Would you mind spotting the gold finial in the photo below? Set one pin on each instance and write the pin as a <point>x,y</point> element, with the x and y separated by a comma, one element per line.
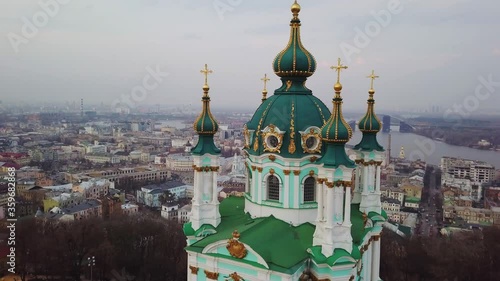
<point>339,67</point>
<point>372,77</point>
<point>295,8</point>
<point>265,79</point>
<point>205,72</point>
<point>264,92</point>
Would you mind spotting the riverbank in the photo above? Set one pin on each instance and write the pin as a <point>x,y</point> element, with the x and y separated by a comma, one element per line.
<point>420,147</point>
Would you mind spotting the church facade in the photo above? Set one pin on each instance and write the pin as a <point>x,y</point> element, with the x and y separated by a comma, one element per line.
<point>310,212</point>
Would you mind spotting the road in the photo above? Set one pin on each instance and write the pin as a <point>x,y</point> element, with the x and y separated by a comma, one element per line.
<point>430,215</point>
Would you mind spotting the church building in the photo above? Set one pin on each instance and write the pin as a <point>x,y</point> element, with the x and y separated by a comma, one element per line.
<point>310,212</point>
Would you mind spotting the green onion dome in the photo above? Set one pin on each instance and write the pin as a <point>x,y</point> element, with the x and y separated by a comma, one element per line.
<point>369,125</point>
<point>294,60</point>
<point>370,122</point>
<point>205,124</point>
<point>336,128</point>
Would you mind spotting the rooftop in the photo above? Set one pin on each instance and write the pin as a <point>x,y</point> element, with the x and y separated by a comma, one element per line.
<point>281,245</point>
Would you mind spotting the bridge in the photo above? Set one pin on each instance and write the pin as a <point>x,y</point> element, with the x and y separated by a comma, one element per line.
<point>404,125</point>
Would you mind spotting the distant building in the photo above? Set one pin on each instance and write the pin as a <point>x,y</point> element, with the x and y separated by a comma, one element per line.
<point>94,188</point>
<point>184,213</point>
<point>169,211</point>
<point>179,162</point>
<point>150,195</point>
<point>129,208</point>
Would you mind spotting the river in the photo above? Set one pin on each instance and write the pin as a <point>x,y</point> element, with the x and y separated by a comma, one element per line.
<point>415,146</point>
<point>431,151</point>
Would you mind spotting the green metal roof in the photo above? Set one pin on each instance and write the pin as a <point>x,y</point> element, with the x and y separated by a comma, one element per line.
<point>335,156</point>
<point>369,143</point>
<point>205,145</point>
<point>281,245</point>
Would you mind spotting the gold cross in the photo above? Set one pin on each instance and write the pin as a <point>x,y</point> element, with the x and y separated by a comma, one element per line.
<point>205,72</point>
<point>338,68</point>
<point>373,77</point>
<point>265,79</point>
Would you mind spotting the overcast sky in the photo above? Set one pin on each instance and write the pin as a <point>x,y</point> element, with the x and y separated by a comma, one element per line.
<point>431,52</point>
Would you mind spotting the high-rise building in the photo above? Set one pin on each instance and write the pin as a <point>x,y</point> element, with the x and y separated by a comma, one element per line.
<point>309,212</point>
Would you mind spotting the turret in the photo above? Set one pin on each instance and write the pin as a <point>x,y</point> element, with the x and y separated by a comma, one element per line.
<point>333,223</point>
<point>205,209</point>
<point>369,155</point>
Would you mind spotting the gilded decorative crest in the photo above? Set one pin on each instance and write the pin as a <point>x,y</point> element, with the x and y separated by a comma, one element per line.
<point>311,140</point>
<point>211,275</point>
<point>291,146</point>
<point>246,135</point>
<point>235,277</point>
<point>272,138</point>
<point>194,269</point>
<point>235,247</point>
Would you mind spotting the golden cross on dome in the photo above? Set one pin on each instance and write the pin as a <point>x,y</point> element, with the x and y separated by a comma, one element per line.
<point>372,77</point>
<point>205,72</point>
<point>265,79</point>
<point>339,67</point>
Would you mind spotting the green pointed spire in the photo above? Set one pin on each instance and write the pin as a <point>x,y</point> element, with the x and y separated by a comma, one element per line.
<point>336,132</point>
<point>370,125</point>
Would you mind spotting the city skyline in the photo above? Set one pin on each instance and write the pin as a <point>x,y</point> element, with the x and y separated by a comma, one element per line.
<point>103,51</point>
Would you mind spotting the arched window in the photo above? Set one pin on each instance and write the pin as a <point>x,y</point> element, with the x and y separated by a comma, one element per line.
<point>273,188</point>
<point>309,187</point>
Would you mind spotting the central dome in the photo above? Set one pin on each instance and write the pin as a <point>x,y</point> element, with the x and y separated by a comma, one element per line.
<point>288,123</point>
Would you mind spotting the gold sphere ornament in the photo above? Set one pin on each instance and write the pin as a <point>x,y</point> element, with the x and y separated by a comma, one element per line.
<point>337,87</point>
<point>295,8</point>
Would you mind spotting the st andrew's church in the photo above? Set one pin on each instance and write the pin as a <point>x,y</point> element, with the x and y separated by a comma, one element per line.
<point>309,211</point>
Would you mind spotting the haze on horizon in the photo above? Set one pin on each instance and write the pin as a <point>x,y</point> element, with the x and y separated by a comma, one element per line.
<point>430,53</point>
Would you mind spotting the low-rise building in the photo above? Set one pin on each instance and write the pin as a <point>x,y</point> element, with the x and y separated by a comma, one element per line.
<point>391,204</point>
<point>412,202</point>
<point>94,188</point>
<point>169,211</point>
<point>129,208</point>
<point>87,209</point>
<point>150,195</point>
<point>184,214</point>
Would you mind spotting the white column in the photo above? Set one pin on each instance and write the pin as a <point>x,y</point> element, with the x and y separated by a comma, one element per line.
<point>329,206</point>
<point>368,263</point>
<point>376,260</point>
<point>356,181</point>
<point>286,195</point>
<point>260,186</point>
<point>338,201</point>
<point>378,179</point>
<point>215,195</point>
<point>365,179</point>
<point>347,207</point>
<point>371,176</point>
<point>197,189</point>
<point>319,199</point>
<point>296,184</point>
